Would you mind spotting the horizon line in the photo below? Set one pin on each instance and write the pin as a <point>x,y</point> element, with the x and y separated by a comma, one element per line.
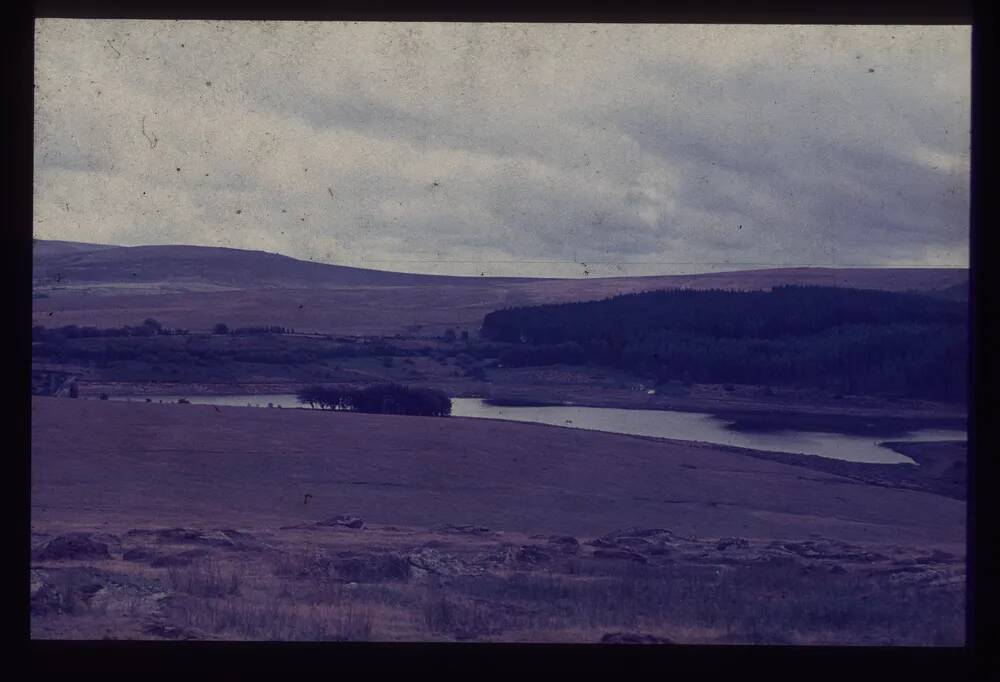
<point>580,263</point>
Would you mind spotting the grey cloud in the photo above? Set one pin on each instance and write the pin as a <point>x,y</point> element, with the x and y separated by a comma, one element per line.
<point>365,143</point>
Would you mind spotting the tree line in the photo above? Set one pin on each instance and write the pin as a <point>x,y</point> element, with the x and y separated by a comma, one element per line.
<point>149,327</point>
<point>850,340</point>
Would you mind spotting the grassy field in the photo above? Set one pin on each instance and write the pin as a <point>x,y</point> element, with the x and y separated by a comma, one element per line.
<point>190,521</point>
<point>195,463</point>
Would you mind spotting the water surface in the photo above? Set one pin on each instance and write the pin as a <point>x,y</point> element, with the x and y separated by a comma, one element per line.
<point>658,423</point>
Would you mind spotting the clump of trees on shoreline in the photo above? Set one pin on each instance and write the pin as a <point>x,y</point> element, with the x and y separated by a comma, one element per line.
<point>379,399</point>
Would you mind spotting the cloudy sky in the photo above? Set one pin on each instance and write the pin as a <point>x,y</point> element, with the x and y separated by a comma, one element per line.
<point>529,149</point>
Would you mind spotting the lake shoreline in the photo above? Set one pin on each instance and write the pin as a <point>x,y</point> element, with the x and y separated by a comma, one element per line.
<point>791,435</point>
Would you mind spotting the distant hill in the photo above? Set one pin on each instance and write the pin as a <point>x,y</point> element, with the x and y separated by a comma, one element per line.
<point>194,287</point>
<point>79,263</point>
<point>50,248</point>
<point>75,263</point>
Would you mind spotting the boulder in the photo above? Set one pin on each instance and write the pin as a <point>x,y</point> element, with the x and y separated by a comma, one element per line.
<point>71,546</point>
<point>566,544</point>
<point>726,543</point>
<point>529,554</point>
<point>829,549</point>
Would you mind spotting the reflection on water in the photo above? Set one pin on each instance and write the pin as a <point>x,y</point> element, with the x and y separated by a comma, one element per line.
<point>658,423</point>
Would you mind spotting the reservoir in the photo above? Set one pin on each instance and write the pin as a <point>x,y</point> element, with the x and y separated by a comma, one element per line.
<point>693,426</point>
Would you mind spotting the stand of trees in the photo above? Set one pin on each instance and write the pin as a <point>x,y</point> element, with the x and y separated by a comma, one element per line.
<point>851,340</point>
<point>379,399</point>
<point>274,329</point>
<point>149,327</point>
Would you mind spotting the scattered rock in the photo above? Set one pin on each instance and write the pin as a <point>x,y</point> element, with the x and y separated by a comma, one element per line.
<point>345,520</point>
<point>565,543</point>
<point>225,538</point>
<point>633,638</point>
<point>936,557</point>
<point>45,598</point>
<point>829,549</point>
<point>71,546</point>
<point>68,590</point>
<point>531,555</point>
<point>440,563</point>
<point>650,541</point>
<point>465,529</point>
<point>726,543</point>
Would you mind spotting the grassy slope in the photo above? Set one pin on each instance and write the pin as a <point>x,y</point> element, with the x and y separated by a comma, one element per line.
<point>127,464</point>
<point>117,286</point>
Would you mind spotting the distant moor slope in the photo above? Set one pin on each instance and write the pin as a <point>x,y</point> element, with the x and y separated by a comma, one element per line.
<point>195,287</point>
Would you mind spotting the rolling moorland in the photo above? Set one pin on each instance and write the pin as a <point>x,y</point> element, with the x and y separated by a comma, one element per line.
<point>197,521</point>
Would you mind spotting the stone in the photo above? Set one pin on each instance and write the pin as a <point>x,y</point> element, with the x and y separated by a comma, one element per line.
<point>726,543</point>
<point>71,546</point>
<point>531,555</point>
<point>441,564</point>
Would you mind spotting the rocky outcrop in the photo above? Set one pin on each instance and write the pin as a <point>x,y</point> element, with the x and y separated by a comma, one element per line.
<point>75,589</point>
<point>566,544</point>
<point>224,538</point>
<point>725,543</point>
<point>466,530</point>
<point>829,549</point>
<point>439,563</point>
<point>71,546</point>
<point>529,554</point>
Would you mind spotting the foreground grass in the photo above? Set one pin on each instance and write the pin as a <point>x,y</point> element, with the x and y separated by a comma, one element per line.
<point>276,600</point>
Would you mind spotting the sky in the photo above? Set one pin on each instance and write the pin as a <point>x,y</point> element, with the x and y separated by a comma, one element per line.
<point>509,149</point>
